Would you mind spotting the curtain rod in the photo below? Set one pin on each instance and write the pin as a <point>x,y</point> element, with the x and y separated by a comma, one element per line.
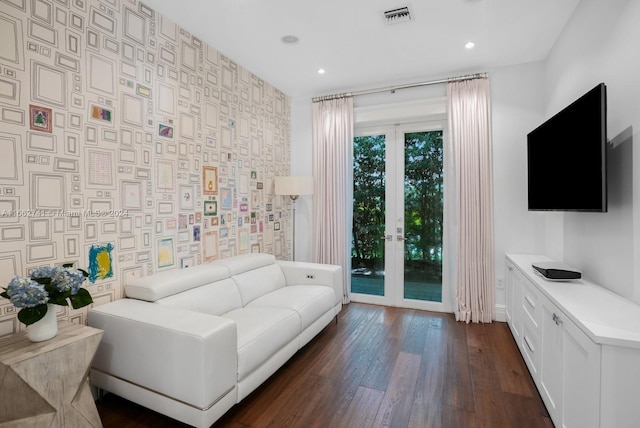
<point>393,89</point>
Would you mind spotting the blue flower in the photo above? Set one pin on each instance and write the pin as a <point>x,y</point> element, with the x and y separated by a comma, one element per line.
<point>43,272</point>
<point>26,293</point>
<point>55,285</point>
<point>68,280</point>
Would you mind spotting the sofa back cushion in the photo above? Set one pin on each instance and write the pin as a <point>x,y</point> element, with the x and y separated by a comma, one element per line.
<point>245,262</point>
<point>255,274</point>
<point>258,282</point>
<point>216,298</point>
<point>170,282</point>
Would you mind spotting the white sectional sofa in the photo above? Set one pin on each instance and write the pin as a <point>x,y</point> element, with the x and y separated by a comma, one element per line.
<point>191,343</point>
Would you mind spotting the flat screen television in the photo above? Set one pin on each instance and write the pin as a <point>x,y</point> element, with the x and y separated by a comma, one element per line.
<point>567,157</point>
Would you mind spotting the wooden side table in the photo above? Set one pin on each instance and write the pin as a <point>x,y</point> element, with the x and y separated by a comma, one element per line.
<point>45,384</point>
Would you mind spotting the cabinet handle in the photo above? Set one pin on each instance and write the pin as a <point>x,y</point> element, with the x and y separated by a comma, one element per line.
<point>556,319</point>
<point>526,340</point>
<point>530,302</point>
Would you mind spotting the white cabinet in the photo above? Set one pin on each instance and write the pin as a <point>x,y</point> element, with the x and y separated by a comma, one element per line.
<point>511,300</point>
<point>581,344</point>
<point>581,375</point>
<point>531,307</point>
<point>569,371</point>
<point>552,362</point>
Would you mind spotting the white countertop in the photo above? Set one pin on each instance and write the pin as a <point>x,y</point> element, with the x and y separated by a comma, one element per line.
<point>607,318</point>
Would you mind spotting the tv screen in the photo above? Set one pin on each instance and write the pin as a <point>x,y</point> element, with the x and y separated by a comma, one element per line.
<point>566,157</point>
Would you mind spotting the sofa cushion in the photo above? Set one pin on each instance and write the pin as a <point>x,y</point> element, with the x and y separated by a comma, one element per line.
<point>261,333</point>
<point>309,301</point>
<point>246,262</point>
<point>258,282</point>
<point>214,299</point>
<point>170,282</point>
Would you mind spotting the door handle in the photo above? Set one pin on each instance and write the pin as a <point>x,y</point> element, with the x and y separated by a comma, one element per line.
<point>401,238</point>
<point>387,238</point>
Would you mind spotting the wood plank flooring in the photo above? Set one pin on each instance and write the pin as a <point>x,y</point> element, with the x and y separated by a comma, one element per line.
<point>383,367</point>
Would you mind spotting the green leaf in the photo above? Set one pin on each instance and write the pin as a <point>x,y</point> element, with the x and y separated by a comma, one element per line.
<point>83,298</point>
<point>28,316</point>
<point>43,281</point>
<point>5,295</point>
<point>58,299</point>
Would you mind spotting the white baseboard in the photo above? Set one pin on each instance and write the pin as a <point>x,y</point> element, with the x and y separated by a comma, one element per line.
<point>500,313</point>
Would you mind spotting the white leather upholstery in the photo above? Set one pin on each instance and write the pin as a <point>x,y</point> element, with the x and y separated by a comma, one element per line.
<point>245,262</point>
<point>309,301</point>
<point>258,282</point>
<point>189,343</point>
<point>214,299</point>
<point>303,273</point>
<point>168,350</point>
<point>201,418</point>
<point>261,333</point>
<point>169,282</point>
<point>254,379</point>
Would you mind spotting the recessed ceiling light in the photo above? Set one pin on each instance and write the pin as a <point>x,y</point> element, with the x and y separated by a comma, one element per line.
<point>321,71</point>
<point>469,45</point>
<point>289,39</point>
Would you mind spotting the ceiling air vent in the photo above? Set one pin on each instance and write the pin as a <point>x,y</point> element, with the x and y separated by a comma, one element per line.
<point>396,16</point>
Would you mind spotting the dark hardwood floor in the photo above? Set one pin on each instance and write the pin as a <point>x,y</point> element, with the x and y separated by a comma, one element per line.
<point>384,367</point>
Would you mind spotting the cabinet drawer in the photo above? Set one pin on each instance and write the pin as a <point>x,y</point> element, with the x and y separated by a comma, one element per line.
<point>532,306</point>
<point>531,350</point>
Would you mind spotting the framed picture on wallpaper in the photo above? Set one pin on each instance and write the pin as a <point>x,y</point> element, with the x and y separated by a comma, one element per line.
<point>210,208</point>
<point>165,252</point>
<point>40,118</point>
<point>209,180</point>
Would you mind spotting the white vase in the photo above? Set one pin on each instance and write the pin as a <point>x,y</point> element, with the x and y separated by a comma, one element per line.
<point>46,328</point>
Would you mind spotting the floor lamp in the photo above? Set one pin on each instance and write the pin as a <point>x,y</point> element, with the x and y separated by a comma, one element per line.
<point>293,186</point>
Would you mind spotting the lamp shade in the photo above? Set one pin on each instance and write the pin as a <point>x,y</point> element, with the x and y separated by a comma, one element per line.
<point>293,185</point>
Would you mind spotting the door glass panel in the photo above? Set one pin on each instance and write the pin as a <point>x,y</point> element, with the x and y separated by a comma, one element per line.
<point>423,215</point>
<point>368,247</point>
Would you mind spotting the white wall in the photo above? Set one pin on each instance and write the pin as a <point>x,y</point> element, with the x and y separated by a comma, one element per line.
<point>301,164</point>
<point>599,44</point>
<point>517,99</point>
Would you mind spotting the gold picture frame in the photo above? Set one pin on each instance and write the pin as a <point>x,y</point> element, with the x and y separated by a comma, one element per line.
<point>209,180</point>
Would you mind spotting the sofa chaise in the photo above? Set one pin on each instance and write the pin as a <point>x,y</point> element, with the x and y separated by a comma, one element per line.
<point>191,343</point>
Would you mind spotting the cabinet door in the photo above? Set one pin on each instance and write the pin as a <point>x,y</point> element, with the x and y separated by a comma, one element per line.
<point>581,398</point>
<point>552,361</point>
<point>569,371</point>
<point>508,293</point>
<point>513,295</point>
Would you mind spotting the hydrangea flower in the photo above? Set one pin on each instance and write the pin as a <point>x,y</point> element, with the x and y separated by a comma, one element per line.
<point>67,279</point>
<point>46,284</point>
<point>26,293</point>
<point>43,272</point>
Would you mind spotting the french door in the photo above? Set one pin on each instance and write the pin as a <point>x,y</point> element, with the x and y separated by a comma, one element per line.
<point>397,243</point>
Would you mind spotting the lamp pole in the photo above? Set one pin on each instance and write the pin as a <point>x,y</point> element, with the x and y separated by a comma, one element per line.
<point>293,186</point>
<point>294,198</point>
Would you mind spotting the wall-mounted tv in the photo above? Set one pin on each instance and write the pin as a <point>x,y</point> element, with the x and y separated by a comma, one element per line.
<point>567,157</point>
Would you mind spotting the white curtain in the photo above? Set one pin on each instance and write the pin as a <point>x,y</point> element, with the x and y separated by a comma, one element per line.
<point>333,192</point>
<point>468,104</point>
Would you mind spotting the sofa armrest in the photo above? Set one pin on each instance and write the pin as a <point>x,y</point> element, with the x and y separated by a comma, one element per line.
<point>304,273</point>
<point>185,355</point>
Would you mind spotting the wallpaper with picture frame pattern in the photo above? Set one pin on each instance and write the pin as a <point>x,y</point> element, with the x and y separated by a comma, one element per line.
<point>129,146</point>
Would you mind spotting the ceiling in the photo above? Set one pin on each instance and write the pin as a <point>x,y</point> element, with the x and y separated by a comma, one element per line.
<point>358,49</point>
